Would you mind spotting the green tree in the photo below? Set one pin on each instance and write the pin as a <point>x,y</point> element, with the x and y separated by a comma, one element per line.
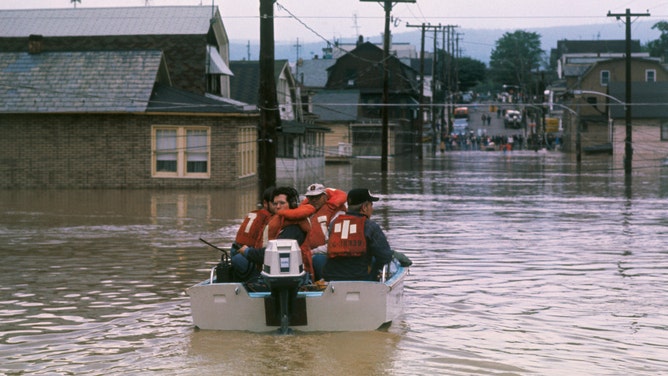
<point>470,73</point>
<point>515,56</point>
<point>659,47</point>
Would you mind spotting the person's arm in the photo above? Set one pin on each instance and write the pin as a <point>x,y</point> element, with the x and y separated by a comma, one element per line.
<point>255,255</point>
<point>377,244</point>
<point>293,232</point>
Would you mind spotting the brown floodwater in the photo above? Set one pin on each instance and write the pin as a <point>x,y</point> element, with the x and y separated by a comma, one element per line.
<point>524,264</point>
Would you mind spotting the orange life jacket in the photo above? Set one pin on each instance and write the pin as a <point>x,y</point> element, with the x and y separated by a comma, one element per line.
<point>347,237</point>
<point>299,216</point>
<point>319,234</point>
<point>250,231</point>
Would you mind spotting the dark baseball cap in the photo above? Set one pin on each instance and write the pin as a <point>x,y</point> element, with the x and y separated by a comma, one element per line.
<point>360,195</point>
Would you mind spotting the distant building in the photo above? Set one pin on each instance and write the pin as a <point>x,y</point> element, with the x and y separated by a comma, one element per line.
<point>299,144</point>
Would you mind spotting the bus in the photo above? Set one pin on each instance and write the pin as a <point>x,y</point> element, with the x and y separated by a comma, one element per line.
<point>461,113</point>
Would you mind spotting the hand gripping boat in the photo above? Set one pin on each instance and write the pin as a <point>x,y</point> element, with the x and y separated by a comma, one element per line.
<point>340,306</point>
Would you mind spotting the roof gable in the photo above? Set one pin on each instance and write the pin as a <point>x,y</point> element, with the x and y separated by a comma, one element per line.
<point>176,20</point>
<point>58,82</point>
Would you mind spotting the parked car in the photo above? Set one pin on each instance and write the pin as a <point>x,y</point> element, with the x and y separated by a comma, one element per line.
<point>512,118</point>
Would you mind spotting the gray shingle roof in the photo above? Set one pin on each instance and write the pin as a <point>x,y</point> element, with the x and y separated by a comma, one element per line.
<point>336,105</point>
<point>57,82</point>
<point>180,20</point>
<point>313,73</point>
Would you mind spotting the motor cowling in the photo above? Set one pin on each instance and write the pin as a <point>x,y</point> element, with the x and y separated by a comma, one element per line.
<point>283,272</point>
<point>283,263</point>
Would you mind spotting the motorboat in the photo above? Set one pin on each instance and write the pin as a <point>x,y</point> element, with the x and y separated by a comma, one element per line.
<point>290,305</point>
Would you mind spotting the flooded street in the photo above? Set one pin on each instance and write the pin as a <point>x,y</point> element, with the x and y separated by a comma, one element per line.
<point>524,264</point>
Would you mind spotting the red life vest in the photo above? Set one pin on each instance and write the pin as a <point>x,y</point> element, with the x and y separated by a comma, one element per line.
<point>250,231</point>
<point>347,237</point>
<point>299,216</point>
<point>319,234</point>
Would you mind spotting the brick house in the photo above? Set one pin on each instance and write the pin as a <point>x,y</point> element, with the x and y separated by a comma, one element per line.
<point>158,117</point>
<point>65,125</point>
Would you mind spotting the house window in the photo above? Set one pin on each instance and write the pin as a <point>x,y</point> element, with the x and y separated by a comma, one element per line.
<point>213,84</point>
<point>605,77</point>
<point>181,152</point>
<point>650,75</point>
<point>664,131</point>
<point>247,151</point>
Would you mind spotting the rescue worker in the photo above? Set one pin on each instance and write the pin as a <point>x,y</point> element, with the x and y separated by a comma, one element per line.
<point>251,229</point>
<point>357,247</point>
<point>328,203</point>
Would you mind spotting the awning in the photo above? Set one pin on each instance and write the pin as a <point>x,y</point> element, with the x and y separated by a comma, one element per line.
<point>215,63</point>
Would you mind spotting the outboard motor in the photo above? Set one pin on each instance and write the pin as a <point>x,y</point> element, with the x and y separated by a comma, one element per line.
<point>284,273</point>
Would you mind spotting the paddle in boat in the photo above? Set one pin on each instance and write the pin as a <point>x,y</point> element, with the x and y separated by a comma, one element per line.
<point>289,304</point>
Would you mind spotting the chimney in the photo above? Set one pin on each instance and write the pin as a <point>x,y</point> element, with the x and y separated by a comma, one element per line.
<point>35,44</point>
<point>360,40</point>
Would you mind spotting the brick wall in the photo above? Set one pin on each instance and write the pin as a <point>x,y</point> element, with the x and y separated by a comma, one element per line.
<point>107,151</point>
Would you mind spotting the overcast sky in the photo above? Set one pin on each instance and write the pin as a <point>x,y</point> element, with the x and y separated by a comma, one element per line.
<point>314,20</point>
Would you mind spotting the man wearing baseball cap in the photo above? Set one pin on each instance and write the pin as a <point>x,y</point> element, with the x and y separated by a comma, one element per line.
<point>357,246</point>
<point>328,202</point>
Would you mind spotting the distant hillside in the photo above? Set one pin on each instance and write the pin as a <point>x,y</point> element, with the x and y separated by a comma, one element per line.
<point>474,43</point>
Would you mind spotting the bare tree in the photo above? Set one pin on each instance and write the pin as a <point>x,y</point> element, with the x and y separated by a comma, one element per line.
<point>75,2</point>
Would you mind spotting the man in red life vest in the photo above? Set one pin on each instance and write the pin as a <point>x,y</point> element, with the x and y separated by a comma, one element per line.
<point>357,246</point>
<point>251,229</point>
<point>328,203</point>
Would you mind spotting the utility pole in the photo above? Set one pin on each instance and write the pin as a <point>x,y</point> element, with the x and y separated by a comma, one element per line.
<point>628,146</point>
<point>434,76</point>
<point>297,62</point>
<point>449,71</point>
<point>387,7</point>
<point>420,124</point>
<point>269,116</point>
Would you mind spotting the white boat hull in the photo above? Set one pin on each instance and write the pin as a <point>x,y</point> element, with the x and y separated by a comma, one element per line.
<point>342,306</point>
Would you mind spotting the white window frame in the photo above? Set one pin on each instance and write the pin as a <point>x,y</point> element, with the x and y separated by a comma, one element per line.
<point>605,81</point>
<point>247,151</point>
<point>180,151</point>
<point>648,73</point>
